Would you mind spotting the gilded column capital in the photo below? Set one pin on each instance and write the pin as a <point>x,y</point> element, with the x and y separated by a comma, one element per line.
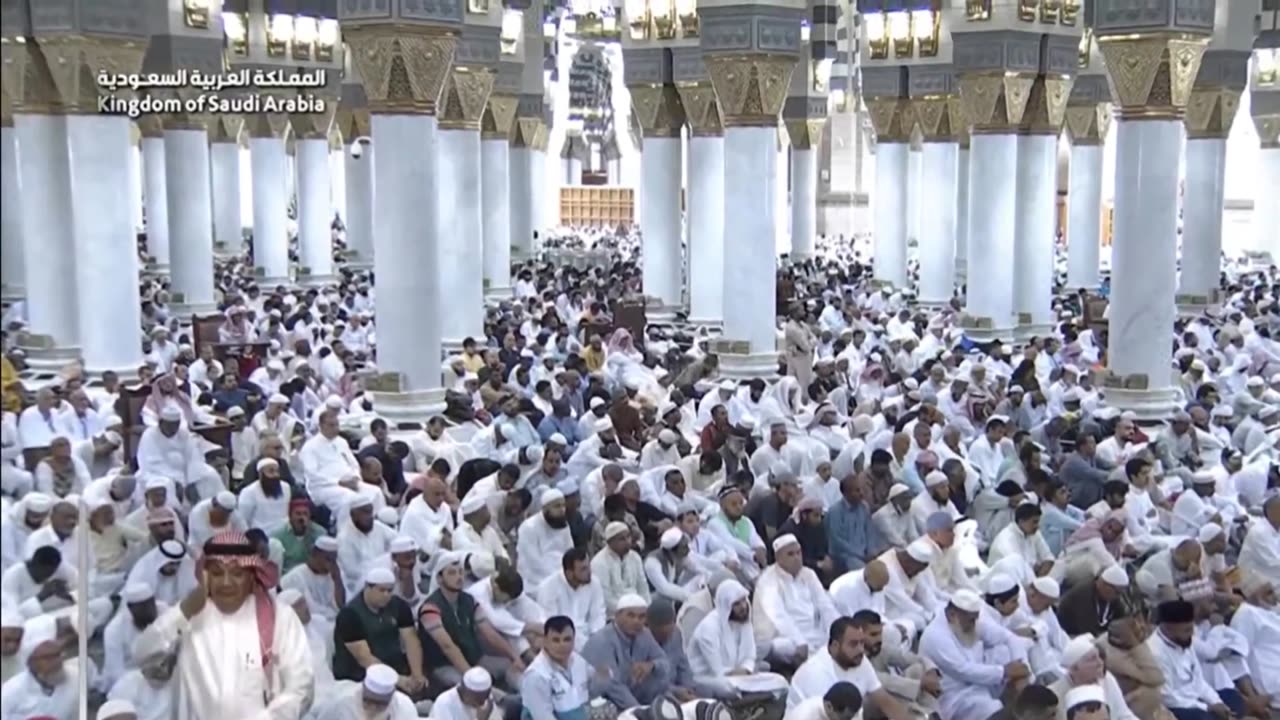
<point>530,132</point>
<point>1047,105</point>
<point>226,128</point>
<point>995,102</point>
<point>266,125</point>
<point>151,126</point>
<point>701,109</point>
<point>466,92</point>
<point>1151,76</point>
<point>352,122</point>
<point>403,67</point>
<point>805,134</point>
<point>892,118</point>
<point>182,97</point>
<point>335,139</point>
<point>1268,127</point>
<point>315,125</point>
<point>13,71</point>
<point>1088,123</point>
<point>751,88</point>
<point>1210,112</point>
<point>75,61</point>
<point>940,117</point>
<point>658,109</point>
<point>499,118</point>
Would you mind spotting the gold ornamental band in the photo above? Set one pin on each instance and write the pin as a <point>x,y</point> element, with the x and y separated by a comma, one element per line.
<point>1151,74</point>
<point>402,67</point>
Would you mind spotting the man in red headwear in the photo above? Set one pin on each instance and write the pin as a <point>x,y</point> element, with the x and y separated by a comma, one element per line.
<point>239,656</point>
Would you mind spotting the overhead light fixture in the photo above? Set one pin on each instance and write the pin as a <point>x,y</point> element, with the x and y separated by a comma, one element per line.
<point>328,35</point>
<point>1267,65</point>
<point>877,35</point>
<point>509,37</point>
<point>926,26</point>
<point>609,23</point>
<point>279,35</point>
<point>1027,10</point>
<point>569,24</point>
<point>305,31</point>
<point>822,74</point>
<point>1086,48</point>
<point>838,100</point>
<point>478,7</point>
<point>805,31</point>
<point>637,18</point>
<point>977,10</point>
<point>236,31</point>
<point>1050,10</point>
<point>900,30</point>
<point>196,14</point>
<point>1070,12</point>
<point>687,11</point>
<point>664,18</point>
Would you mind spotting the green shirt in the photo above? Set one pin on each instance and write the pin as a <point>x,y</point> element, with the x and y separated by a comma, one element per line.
<point>296,548</point>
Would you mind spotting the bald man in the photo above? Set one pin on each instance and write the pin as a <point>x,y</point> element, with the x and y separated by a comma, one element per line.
<point>1173,571</point>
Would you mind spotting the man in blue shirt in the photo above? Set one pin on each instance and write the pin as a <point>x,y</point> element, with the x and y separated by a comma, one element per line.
<point>851,536</point>
<point>560,422</point>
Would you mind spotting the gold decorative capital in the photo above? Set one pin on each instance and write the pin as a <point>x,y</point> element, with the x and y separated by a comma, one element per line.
<point>352,123</point>
<point>806,133</point>
<point>892,119</point>
<point>183,121</point>
<point>1087,124</point>
<point>466,91</point>
<point>73,62</point>
<point>658,109</point>
<point>226,128</point>
<point>1151,76</point>
<point>1268,131</point>
<point>1210,112</point>
<point>1047,105</point>
<point>14,58</point>
<point>151,126</point>
<point>751,88</point>
<point>529,132</point>
<point>266,125</point>
<point>995,103</point>
<point>499,118</point>
<point>701,109</point>
<point>940,117</point>
<point>403,67</point>
<point>314,126</point>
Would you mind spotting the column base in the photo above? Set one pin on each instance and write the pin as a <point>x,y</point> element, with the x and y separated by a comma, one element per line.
<point>497,294</point>
<point>222,250</point>
<point>127,375</point>
<point>156,269</point>
<point>44,357</point>
<point>190,309</point>
<point>713,325</point>
<point>267,282</point>
<point>661,314</point>
<point>1027,330</point>
<point>1153,405</point>
<point>1191,305</point>
<point>453,346</point>
<point>408,411</point>
<point>984,329</point>
<point>315,281</point>
<point>12,294</point>
<point>737,362</point>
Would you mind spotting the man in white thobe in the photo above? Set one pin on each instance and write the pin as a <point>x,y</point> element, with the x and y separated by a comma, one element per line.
<point>543,539</point>
<point>428,519</point>
<point>792,609</point>
<point>319,582</point>
<point>139,609</point>
<point>47,686</point>
<point>329,468</point>
<point>1260,553</point>
<point>1258,621</point>
<point>574,593</point>
<point>169,449</point>
<point>361,540</point>
<point>377,693</point>
<point>468,701</point>
<point>960,643</point>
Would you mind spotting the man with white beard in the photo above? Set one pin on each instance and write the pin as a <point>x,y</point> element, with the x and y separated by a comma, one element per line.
<point>959,642</point>
<point>149,687</point>
<point>1258,621</point>
<point>319,582</point>
<point>47,686</point>
<point>543,539</point>
<point>361,540</point>
<point>470,700</point>
<point>376,698</point>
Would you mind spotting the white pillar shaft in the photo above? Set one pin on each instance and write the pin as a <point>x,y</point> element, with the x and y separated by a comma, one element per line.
<point>157,199</point>
<point>750,276</point>
<point>781,199</point>
<point>890,238</point>
<point>461,266</point>
<point>1036,232</point>
<point>660,220</point>
<point>523,200</point>
<point>962,215</point>
<point>1143,260</point>
<point>938,168</point>
<point>48,241</point>
<point>496,210</point>
<point>575,172</point>
<point>338,184</point>
<point>1267,219</point>
<point>186,154</point>
<point>228,231</point>
<point>270,209</point>
<point>706,229</point>
<point>315,210</point>
<point>915,167</point>
<point>405,249</point>
<point>106,246</point>
<point>135,187</point>
<point>1202,216</point>
<point>359,219</point>
<point>11,251</point>
<point>1084,217</point>
<point>804,201</point>
<point>540,196</point>
<point>993,171</point>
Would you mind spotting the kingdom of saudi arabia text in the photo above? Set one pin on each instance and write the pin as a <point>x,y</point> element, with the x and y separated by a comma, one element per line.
<point>210,104</point>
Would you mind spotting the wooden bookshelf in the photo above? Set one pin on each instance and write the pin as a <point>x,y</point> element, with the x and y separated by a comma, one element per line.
<point>599,206</point>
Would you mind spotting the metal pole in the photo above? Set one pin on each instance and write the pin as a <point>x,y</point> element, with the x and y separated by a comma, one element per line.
<point>83,566</point>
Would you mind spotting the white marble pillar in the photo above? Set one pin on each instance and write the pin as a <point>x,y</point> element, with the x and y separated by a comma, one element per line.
<point>1205,182</point>
<point>1267,218</point>
<point>405,251</point>
<point>939,159</point>
<point>11,251</point>
<point>1036,233</point>
<point>804,199</point>
<point>750,266</point>
<point>523,200</point>
<point>337,182</point>
<point>106,246</point>
<point>915,177</point>
<point>49,251</point>
<point>782,197</point>
<point>156,195</point>
<point>993,168</point>
<point>460,235</point>
<point>228,229</point>
<point>889,202</point>
<point>962,212</point>
<point>495,204</point>
<point>315,212</point>
<point>1084,215</point>
<point>575,172</point>
<point>135,186</point>
<point>270,210</point>
<point>358,159</point>
<point>660,225</point>
<point>706,229</point>
<point>187,177</point>
<point>542,195</point>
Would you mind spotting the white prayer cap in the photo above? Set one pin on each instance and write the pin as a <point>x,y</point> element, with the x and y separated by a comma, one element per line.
<point>326,543</point>
<point>171,414</point>
<point>671,538</point>
<point>1115,575</point>
<point>1275,378</point>
<point>1015,389</point>
<point>632,383</point>
<point>606,423</point>
<point>1077,648</point>
<point>477,680</point>
<point>1073,394</point>
<point>728,385</point>
<point>967,600</point>
<point>1203,478</point>
<point>278,399</point>
<point>225,500</point>
<point>595,402</point>
<point>333,402</point>
<point>934,478</point>
<point>614,529</point>
<point>115,709</point>
<point>276,365</point>
<point>558,439</point>
<point>1199,365</point>
<point>667,408</point>
<point>863,424</point>
<point>1085,694</point>
<point>380,575</point>
<point>1047,586</point>
<point>999,584</point>
<point>784,541</point>
<point>568,486</point>
<point>921,550</point>
<point>403,544</point>
<point>265,463</point>
<point>235,412</point>
<point>471,503</point>
<point>388,516</point>
<point>899,489</point>
<point>359,501</point>
<point>136,592</point>
<point>158,329</point>
<point>668,436</point>
<point>631,601</point>
<point>380,680</point>
<point>1209,532</point>
<point>153,482</point>
<point>1255,382</point>
<point>1002,419</point>
<point>551,495</point>
<point>38,502</point>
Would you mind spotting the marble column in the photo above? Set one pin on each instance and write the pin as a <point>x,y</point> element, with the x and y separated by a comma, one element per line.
<point>892,119</point>
<point>358,161</point>
<point>11,250</point>
<point>661,117</point>
<point>106,245</point>
<point>706,204</point>
<point>1036,214</point>
<point>962,210</point>
<point>224,157</point>
<point>938,116</point>
<point>270,167</point>
<point>806,136</point>
<point>187,177</point>
<point>1149,137</point>
<point>315,208</point>
<point>1267,210</point>
<point>495,191</point>
<point>461,230</point>
<point>155,193</point>
<point>407,189</point>
<point>525,180</point>
<point>135,178</point>
<point>1208,123</point>
<point>337,175</point>
<point>1087,125</point>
